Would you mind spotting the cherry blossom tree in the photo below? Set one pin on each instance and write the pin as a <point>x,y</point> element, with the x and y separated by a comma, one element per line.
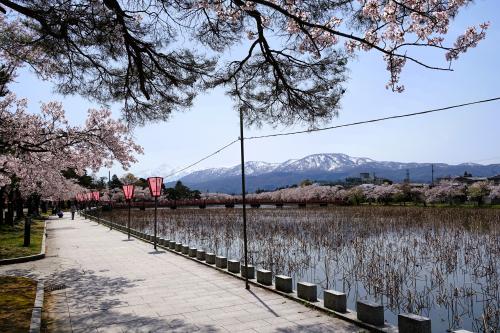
<point>134,52</point>
<point>478,192</point>
<point>36,149</point>
<point>445,192</point>
<point>384,193</point>
<point>494,192</point>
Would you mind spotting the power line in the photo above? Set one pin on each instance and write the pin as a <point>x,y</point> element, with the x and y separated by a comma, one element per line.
<point>333,127</point>
<point>204,158</point>
<point>374,120</point>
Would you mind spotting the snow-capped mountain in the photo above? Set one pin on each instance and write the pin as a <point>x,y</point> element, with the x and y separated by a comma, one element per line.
<point>323,162</point>
<point>322,167</point>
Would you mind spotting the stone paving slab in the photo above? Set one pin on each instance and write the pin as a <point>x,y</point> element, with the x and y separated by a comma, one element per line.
<point>114,285</point>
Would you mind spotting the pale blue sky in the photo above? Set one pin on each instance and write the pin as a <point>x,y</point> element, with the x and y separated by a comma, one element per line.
<point>464,135</point>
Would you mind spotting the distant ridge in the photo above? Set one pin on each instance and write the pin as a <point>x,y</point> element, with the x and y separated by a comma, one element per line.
<point>322,167</point>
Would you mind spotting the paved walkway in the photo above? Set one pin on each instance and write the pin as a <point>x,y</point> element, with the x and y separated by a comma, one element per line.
<point>110,284</point>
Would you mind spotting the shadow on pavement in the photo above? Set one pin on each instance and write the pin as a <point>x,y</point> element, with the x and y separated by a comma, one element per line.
<point>93,303</point>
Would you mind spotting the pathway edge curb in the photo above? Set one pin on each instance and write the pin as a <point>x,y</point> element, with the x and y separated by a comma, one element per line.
<point>41,255</point>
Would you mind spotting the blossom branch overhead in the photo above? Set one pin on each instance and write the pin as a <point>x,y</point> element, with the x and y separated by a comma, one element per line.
<point>294,69</point>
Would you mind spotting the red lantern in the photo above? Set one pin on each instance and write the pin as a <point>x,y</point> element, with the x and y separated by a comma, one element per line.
<point>155,186</point>
<point>95,196</point>
<point>128,191</point>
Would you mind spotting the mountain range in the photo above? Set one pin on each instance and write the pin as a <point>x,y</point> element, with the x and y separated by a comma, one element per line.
<point>329,167</point>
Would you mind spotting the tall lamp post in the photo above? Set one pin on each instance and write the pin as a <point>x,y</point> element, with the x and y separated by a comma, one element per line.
<point>128,191</point>
<point>243,197</point>
<point>155,189</point>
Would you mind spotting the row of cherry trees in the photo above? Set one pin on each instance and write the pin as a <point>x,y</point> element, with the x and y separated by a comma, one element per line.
<point>445,192</point>
<point>38,149</point>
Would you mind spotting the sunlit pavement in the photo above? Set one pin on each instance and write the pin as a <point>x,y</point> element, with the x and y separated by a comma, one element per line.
<point>108,284</point>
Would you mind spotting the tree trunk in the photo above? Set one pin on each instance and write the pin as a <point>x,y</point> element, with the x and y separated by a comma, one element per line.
<point>19,206</point>
<point>44,207</point>
<point>2,205</point>
<point>9,217</point>
<point>29,203</point>
<point>36,205</point>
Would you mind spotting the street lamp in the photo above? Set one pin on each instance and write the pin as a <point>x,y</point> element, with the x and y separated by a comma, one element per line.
<point>155,189</point>
<point>128,191</point>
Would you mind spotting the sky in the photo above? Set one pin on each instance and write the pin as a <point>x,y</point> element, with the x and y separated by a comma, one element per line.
<point>470,134</point>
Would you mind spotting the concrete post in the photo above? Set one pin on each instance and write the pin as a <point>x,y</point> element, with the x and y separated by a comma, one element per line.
<point>335,300</point>
<point>221,262</point>
<point>200,254</point>
<point>178,247</point>
<point>171,245</point>
<point>283,283</point>
<point>27,230</point>
<point>210,258</point>
<point>370,312</point>
<point>185,249</point>
<point>248,271</point>
<point>233,266</point>
<point>412,323</point>
<point>192,252</point>
<point>307,291</point>
<point>264,277</point>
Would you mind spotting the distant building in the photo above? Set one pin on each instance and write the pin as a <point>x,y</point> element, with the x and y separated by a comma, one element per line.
<point>466,179</point>
<point>364,175</point>
<point>495,179</point>
<point>365,178</point>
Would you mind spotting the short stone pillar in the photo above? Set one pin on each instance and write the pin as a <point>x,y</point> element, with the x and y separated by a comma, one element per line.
<point>307,291</point>
<point>178,247</point>
<point>192,252</point>
<point>221,262</point>
<point>412,323</point>
<point>161,241</point>
<point>171,245</point>
<point>210,258</point>
<point>185,249</point>
<point>233,266</point>
<point>335,300</point>
<point>370,312</point>
<point>283,283</point>
<point>248,271</point>
<point>200,254</point>
<point>264,277</point>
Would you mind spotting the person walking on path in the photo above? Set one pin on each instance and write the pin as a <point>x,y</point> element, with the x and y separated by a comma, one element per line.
<point>73,211</point>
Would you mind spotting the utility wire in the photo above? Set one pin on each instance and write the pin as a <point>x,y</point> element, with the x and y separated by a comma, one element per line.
<point>374,120</point>
<point>333,127</point>
<point>204,158</point>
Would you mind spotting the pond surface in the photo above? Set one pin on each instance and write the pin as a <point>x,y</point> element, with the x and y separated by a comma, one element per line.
<point>442,263</point>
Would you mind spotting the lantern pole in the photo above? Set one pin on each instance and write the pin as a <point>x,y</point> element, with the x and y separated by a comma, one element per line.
<point>128,223</point>
<point>98,201</point>
<point>243,190</point>
<point>156,206</point>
